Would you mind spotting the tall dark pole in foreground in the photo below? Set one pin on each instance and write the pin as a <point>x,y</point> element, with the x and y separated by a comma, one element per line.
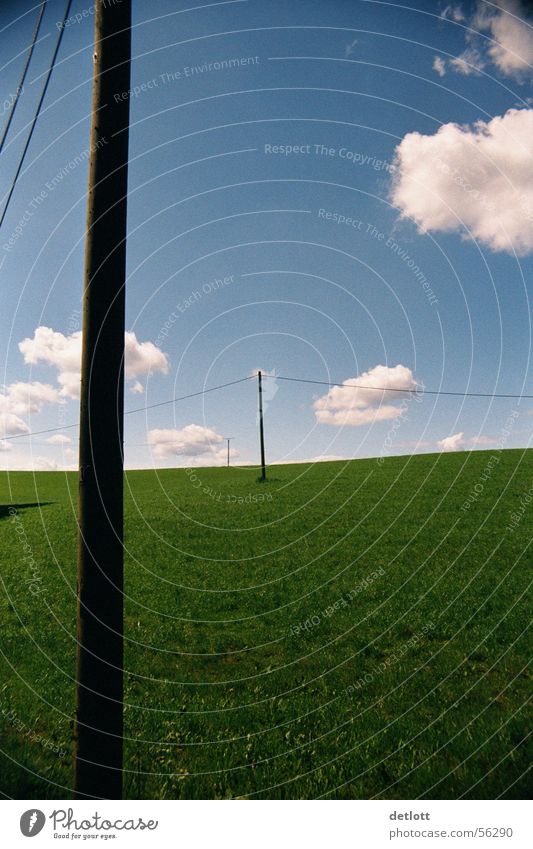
<point>261,430</point>
<point>99,671</point>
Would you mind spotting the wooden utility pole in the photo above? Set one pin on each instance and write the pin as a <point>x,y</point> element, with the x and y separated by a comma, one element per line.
<point>100,619</point>
<point>261,429</point>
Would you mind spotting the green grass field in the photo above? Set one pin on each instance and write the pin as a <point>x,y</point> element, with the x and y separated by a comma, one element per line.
<point>348,630</point>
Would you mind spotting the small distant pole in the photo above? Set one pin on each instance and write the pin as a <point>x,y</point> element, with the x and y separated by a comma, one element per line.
<point>261,429</point>
<point>228,440</point>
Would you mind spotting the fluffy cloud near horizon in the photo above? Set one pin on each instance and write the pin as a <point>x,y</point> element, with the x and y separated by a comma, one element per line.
<point>21,399</point>
<point>198,445</point>
<point>32,463</point>
<point>500,33</point>
<point>59,439</point>
<point>319,458</point>
<point>479,178</point>
<point>456,442</point>
<point>64,353</point>
<point>365,404</point>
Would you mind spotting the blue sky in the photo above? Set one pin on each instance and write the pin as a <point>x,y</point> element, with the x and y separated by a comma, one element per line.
<point>355,192</point>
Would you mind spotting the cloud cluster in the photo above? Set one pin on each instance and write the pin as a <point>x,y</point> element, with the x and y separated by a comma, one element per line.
<point>195,444</point>
<point>500,33</point>
<point>64,353</point>
<point>28,462</point>
<point>21,399</point>
<point>365,404</point>
<point>511,34</point>
<point>479,178</point>
<point>470,61</point>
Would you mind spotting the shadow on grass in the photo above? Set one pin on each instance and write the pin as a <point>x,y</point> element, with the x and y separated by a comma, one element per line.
<point>5,508</point>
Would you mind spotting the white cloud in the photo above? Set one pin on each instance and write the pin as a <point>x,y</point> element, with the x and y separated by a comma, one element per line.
<point>478,177</point>
<point>350,48</point>
<point>64,353</point>
<point>11,425</point>
<point>28,463</point>
<point>439,66</point>
<point>59,439</point>
<point>470,61</point>
<point>42,464</point>
<point>453,13</point>
<point>360,406</point>
<point>195,444</point>
<point>24,398</point>
<point>511,47</point>
<point>5,446</point>
<point>456,442</point>
<point>21,399</point>
<point>143,357</point>
<point>499,32</point>
<point>137,388</point>
<point>322,458</point>
<point>319,458</point>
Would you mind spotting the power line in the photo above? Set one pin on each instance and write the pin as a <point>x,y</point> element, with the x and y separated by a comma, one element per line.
<point>417,391</point>
<point>137,410</point>
<point>37,112</point>
<point>38,432</point>
<point>176,400</point>
<point>192,395</point>
<point>23,77</point>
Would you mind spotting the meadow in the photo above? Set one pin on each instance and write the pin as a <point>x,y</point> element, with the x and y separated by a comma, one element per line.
<point>344,630</point>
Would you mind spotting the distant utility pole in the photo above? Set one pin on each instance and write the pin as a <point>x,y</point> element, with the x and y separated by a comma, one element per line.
<point>261,430</point>
<point>228,440</point>
<point>100,616</point>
